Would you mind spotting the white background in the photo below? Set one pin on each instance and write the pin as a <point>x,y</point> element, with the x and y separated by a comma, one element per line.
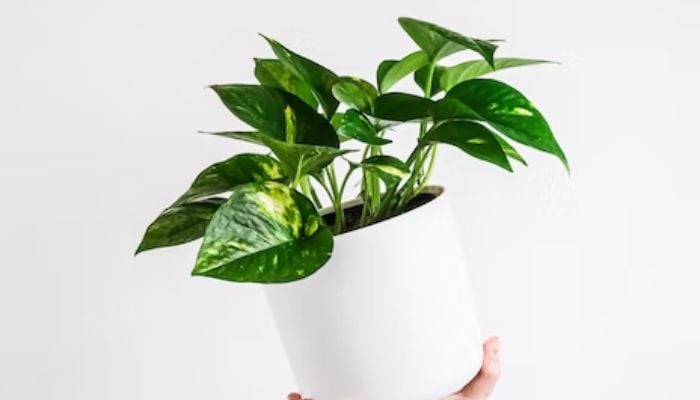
<point>590,280</point>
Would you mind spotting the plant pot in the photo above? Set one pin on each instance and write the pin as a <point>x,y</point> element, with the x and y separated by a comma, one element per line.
<point>389,317</point>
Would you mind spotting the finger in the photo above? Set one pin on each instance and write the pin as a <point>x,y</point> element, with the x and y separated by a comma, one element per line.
<point>483,384</point>
<point>295,396</point>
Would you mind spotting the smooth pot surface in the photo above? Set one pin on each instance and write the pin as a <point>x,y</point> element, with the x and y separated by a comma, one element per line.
<point>389,317</point>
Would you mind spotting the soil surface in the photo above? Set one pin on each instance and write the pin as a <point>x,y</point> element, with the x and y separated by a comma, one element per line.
<point>353,214</point>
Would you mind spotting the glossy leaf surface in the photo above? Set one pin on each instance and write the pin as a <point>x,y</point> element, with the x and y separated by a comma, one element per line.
<point>318,77</point>
<point>355,125</point>
<point>472,138</point>
<point>387,168</point>
<point>246,136</point>
<point>402,107</point>
<point>302,159</point>
<point>390,72</point>
<point>476,68</point>
<point>509,112</point>
<point>510,151</point>
<point>421,79</point>
<point>355,92</point>
<point>267,233</point>
<point>450,108</point>
<point>277,114</point>
<point>275,74</point>
<point>179,224</point>
<point>438,42</point>
<point>237,170</point>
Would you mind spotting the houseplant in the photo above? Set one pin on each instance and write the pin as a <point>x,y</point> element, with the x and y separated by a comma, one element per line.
<point>363,326</point>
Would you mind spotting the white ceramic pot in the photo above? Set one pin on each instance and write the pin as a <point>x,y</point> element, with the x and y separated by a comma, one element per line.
<point>389,317</point>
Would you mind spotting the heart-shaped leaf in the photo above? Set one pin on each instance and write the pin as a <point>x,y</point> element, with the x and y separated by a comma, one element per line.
<point>355,125</point>
<point>302,159</point>
<point>277,114</point>
<point>509,112</point>
<point>355,92</point>
<point>266,233</point>
<point>391,71</point>
<point>438,42</point>
<point>421,79</point>
<point>237,170</point>
<point>473,138</point>
<point>274,74</point>
<point>389,169</point>
<point>179,224</point>
<point>318,77</point>
<point>402,107</point>
<point>476,68</point>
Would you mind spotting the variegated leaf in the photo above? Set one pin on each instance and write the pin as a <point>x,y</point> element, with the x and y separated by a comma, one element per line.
<point>266,233</point>
<point>179,224</point>
<point>237,170</point>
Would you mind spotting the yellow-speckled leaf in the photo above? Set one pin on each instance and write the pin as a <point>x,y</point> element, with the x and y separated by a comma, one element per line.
<point>471,137</point>
<point>179,224</point>
<point>274,73</point>
<point>237,170</point>
<point>303,159</point>
<point>266,233</point>
<point>276,113</point>
<point>317,77</point>
<point>509,112</point>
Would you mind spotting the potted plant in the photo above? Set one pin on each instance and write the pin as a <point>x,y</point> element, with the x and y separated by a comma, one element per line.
<point>389,315</point>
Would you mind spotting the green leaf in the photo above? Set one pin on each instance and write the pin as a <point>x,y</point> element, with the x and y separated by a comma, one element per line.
<point>319,78</point>
<point>472,138</point>
<point>355,92</point>
<point>274,74</point>
<point>449,108</point>
<point>265,233</point>
<point>438,42</point>
<point>510,151</point>
<point>476,68</point>
<point>246,136</point>
<point>179,224</point>
<point>421,78</point>
<point>277,114</point>
<point>402,107</point>
<point>355,125</point>
<point>391,71</point>
<point>509,112</point>
<point>303,159</point>
<point>389,169</point>
<point>225,175</point>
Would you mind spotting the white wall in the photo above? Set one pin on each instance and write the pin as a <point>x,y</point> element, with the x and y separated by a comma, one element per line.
<point>590,280</point>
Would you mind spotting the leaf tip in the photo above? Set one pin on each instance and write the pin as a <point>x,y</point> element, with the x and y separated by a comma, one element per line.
<point>267,38</point>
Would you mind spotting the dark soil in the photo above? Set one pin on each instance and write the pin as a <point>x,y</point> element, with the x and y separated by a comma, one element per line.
<point>353,214</point>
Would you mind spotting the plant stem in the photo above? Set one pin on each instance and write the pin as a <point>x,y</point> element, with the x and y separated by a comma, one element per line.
<point>337,199</point>
<point>417,157</point>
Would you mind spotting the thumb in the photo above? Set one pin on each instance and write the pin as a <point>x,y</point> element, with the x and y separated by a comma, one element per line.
<point>484,383</point>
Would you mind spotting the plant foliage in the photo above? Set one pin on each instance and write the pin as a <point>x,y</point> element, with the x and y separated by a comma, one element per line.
<point>260,214</point>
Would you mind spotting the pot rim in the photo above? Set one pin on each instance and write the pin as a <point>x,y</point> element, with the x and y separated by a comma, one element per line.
<point>435,190</point>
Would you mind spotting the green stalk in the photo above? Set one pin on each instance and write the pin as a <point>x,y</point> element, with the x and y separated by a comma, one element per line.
<point>417,158</point>
<point>337,200</point>
<point>309,191</point>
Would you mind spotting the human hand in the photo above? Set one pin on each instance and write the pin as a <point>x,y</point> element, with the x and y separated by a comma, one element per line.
<point>481,387</point>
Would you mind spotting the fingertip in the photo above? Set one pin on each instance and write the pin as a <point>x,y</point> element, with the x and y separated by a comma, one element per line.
<point>492,347</point>
<point>294,396</point>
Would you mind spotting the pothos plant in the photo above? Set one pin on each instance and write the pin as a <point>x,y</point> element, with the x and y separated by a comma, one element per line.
<point>269,228</point>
